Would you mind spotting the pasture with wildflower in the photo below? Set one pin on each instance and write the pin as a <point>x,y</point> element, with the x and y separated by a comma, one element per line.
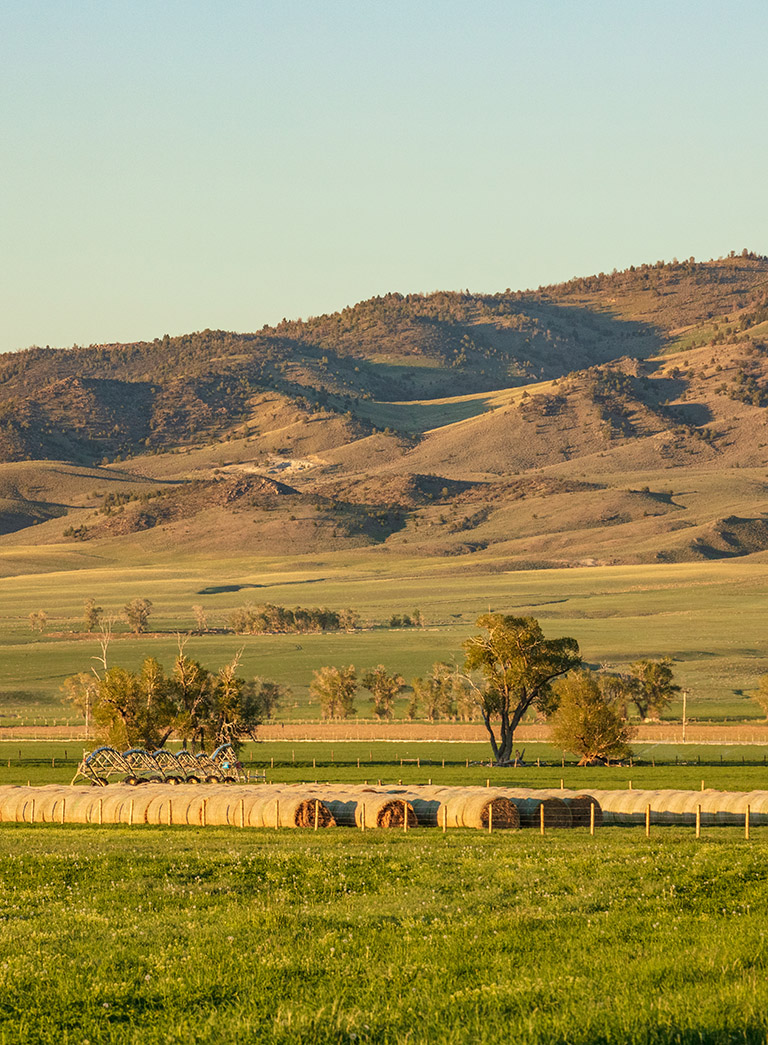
<point>177,935</point>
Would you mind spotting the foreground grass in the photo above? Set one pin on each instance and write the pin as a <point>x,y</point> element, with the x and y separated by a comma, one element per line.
<point>178,935</point>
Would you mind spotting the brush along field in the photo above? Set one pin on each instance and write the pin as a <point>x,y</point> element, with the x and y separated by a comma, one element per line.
<point>164,935</point>
<point>709,617</point>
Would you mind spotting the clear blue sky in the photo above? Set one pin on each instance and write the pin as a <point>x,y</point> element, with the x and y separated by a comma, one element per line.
<point>171,165</point>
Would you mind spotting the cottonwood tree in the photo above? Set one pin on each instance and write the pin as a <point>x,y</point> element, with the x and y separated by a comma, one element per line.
<point>654,687</point>
<point>38,620</point>
<point>132,709</point>
<point>511,668</point>
<point>384,689</point>
<point>201,620</point>
<point>589,721</point>
<point>335,688</point>
<point>92,615</point>
<point>435,692</point>
<point>136,614</point>
<point>199,706</point>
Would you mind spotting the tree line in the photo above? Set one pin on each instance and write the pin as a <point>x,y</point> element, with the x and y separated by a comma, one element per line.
<point>265,619</point>
<point>508,669</point>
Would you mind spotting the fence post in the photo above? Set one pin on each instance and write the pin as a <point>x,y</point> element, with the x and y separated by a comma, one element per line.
<point>101,811</point>
<point>562,785</point>
<point>362,817</point>
<point>592,818</point>
<point>648,821</point>
<point>204,813</point>
<point>490,818</point>
<point>63,810</point>
<point>487,782</point>
<point>746,824</point>
<point>698,821</point>
<point>541,818</point>
<point>702,785</point>
<point>170,812</point>
<point>32,813</point>
<point>277,813</point>
<point>242,812</point>
<point>130,813</point>
<point>629,786</point>
<point>405,815</point>
<point>317,813</point>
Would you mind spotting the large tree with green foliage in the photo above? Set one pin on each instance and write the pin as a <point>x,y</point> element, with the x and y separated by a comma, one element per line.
<point>589,720</point>
<point>653,687</point>
<point>511,667</point>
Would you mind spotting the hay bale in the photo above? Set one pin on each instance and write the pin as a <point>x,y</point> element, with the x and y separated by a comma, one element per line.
<point>381,809</point>
<point>556,812</point>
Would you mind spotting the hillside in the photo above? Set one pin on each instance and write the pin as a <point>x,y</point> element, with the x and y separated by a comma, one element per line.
<point>616,418</point>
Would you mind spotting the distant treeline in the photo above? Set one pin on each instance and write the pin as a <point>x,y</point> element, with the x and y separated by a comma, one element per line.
<point>270,619</point>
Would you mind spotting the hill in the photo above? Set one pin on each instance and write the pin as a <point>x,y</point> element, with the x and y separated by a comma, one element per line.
<point>615,418</point>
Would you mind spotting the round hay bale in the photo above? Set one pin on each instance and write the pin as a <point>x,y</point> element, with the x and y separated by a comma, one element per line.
<point>580,806</point>
<point>475,812</point>
<point>556,812</point>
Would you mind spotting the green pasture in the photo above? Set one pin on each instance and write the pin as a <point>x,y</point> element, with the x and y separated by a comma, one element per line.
<point>654,766</point>
<point>708,617</point>
<point>163,935</point>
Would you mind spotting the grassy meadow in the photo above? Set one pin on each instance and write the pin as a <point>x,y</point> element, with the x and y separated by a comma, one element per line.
<point>116,935</point>
<point>708,617</point>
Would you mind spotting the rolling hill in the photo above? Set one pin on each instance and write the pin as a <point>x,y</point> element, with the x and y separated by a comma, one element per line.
<point>617,418</point>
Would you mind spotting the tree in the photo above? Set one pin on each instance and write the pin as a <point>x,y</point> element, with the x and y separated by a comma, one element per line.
<point>92,615</point>
<point>516,666</point>
<point>349,620</point>
<point>619,688</point>
<point>384,688</point>
<point>654,686</point>
<point>128,710</point>
<point>145,709</point>
<point>588,720</point>
<point>136,614</point>
<point>435,692</point>
<point>201,620</point>
<point>38,620</point>
<point>335,688</point>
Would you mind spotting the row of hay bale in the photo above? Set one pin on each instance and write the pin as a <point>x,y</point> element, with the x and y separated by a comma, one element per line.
<point>350,805</point>
<point>724,808</point>
<point>296,805</point>
<point>155,804</point>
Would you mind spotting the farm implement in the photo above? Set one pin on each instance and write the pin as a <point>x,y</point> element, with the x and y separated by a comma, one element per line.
<point>137,766</point>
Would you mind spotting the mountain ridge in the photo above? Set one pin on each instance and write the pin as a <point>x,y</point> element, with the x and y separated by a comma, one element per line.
<point>415,424</point>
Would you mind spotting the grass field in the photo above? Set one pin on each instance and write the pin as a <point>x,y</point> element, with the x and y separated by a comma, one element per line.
<point>708,617</point>
<point>658,766</point>
<point>113,935</point>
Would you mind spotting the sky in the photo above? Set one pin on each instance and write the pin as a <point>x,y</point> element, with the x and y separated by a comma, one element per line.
<point>175,166</point>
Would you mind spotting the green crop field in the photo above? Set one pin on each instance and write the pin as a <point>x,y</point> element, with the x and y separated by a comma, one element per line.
<point>162,935</point>
<point>708,617</point>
